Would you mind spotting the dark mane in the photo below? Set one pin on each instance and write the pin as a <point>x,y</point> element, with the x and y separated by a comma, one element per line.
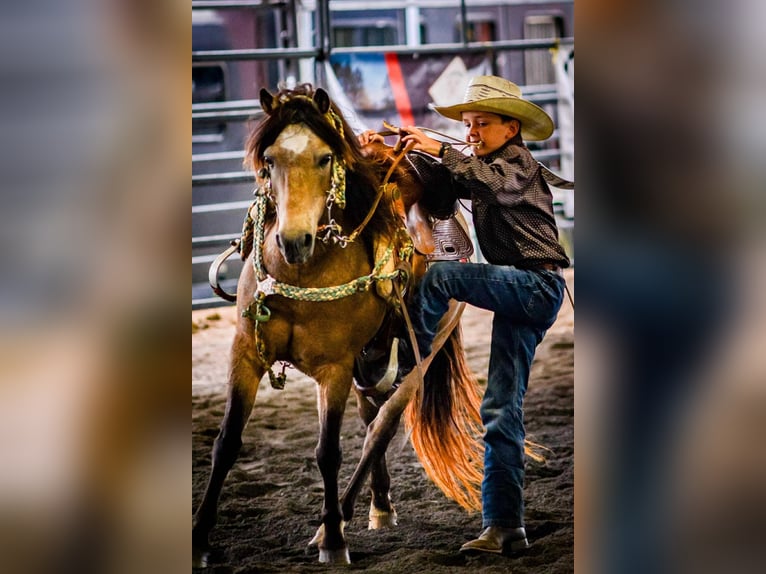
<point>363,176</point>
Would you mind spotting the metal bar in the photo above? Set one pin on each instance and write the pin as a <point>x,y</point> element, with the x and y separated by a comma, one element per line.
<point>453,48</point>
<point>208,302</point>
<point>208,240</point>
<point>233,116</point>
<point>231,177</point>
<point>542,98</point>
<point>546,154</point>
<point>402,49</point>
<point>527,44</point>
<point>352,5</point>
<point>213,207</point>
<point>323,42</point>
<point>227,105</point>
<point>464,22</point>
<point>217,156</point>
<point>214,5</point>
<point>324,39</point>
<point>251,54</point>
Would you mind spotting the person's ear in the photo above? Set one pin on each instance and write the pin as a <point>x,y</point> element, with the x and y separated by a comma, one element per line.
<point>513,127</point>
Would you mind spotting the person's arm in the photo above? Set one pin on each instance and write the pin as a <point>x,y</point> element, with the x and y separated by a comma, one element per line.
<point>422,141</point>
<point>502,182</point>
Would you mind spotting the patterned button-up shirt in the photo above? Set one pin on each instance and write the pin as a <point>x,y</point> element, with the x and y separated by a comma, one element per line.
<point>512,205</point>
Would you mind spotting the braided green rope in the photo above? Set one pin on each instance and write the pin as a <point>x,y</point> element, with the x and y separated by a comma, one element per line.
<point>267,285</point>
<point>259,228</point>
<point>338,189</point>
<point>319,294</point>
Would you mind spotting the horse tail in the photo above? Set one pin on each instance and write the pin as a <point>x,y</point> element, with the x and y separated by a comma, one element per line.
<point>445,425</point>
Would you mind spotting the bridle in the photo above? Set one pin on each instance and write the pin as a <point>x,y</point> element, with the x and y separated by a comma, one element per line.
<point>254,230</point>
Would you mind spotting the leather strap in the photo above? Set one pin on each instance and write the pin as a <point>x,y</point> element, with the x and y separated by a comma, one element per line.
<point>411,334</point>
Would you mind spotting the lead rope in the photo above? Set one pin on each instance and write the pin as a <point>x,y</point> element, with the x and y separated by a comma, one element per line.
<point>392,130</point>
<point>569,294</point>
<point>415,350</point>
<point>261,313</point>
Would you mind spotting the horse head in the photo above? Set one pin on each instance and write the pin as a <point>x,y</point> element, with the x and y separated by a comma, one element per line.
<point>300,151</point>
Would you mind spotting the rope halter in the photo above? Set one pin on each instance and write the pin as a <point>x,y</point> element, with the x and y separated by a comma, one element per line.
<point>254,229</point>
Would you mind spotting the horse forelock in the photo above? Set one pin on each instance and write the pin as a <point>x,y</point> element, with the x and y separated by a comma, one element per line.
<point>363,175</point>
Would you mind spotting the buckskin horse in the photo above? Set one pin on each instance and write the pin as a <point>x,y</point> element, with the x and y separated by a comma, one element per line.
<point>314,297</point>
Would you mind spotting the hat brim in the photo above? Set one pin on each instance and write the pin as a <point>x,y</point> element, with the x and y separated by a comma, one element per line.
<point>536,124</point>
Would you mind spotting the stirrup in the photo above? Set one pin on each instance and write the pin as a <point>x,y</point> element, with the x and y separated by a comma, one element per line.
<point>451,241</point>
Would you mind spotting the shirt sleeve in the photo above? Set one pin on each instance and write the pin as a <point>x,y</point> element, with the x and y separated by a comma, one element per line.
<point>501,182</point>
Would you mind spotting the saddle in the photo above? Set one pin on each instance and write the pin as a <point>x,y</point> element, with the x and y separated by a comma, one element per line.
<point>433,222</point>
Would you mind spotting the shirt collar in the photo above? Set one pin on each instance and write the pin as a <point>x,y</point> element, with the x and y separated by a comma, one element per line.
<point>502,150</point>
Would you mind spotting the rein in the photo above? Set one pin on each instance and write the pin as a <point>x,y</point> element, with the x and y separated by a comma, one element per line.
<point>392,130</point>
<point>333,230</point>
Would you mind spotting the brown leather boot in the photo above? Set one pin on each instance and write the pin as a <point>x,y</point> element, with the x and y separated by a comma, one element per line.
<point>497,540</point>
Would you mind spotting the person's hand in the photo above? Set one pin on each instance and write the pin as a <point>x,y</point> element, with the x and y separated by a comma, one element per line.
<point>421,140</point>
<point>368,137</point>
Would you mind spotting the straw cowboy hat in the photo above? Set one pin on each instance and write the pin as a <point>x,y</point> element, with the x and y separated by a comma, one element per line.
<point>499,96</point>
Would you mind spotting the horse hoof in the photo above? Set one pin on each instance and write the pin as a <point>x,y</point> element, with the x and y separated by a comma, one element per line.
<point>382,519</point>
<point>334,556</point>
<point>200,557</point>
<point>318,537</point>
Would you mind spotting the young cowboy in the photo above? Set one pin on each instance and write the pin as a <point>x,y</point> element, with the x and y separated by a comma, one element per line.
<point>521,282</point>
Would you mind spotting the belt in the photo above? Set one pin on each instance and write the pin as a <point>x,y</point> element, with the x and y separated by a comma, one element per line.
<point>549,267</point>
<point>552,267</point>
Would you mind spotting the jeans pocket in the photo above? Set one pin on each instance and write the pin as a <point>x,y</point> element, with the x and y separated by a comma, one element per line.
<point>535,308</point>
<point>545,302</point>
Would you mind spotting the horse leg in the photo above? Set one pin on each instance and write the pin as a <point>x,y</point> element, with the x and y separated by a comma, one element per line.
<point>379,434</point>
<point>382,512</point>
<point>332,393</point>
<point>245,373</point>
<point>383,428</point>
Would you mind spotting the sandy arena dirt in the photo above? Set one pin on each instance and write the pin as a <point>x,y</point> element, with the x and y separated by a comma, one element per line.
<point>272,499</point>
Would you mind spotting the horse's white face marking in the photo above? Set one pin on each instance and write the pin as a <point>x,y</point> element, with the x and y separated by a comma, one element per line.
<point>300,178</point>
<point>294,138</point>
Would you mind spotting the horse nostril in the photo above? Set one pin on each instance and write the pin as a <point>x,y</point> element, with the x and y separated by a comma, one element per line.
<point>279,241</point>
<point>307,240</point>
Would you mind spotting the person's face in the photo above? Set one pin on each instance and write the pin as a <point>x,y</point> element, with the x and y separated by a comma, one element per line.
<point>489,129</point>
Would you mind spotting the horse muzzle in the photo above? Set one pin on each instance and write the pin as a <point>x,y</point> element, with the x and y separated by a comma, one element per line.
<point>296,247</point>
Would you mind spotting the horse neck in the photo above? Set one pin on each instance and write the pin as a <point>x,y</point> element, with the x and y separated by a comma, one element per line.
<point>404,176</point>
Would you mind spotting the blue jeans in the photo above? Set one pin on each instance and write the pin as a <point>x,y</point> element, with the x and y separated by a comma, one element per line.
<point>525,304</point>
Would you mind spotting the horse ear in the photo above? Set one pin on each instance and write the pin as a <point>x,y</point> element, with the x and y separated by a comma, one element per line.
<point>266,101</point>
<point>322,100</point>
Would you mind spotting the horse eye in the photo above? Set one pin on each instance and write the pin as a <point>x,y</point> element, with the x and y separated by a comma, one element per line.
<point>268,161</point>
<point>325,160</point>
